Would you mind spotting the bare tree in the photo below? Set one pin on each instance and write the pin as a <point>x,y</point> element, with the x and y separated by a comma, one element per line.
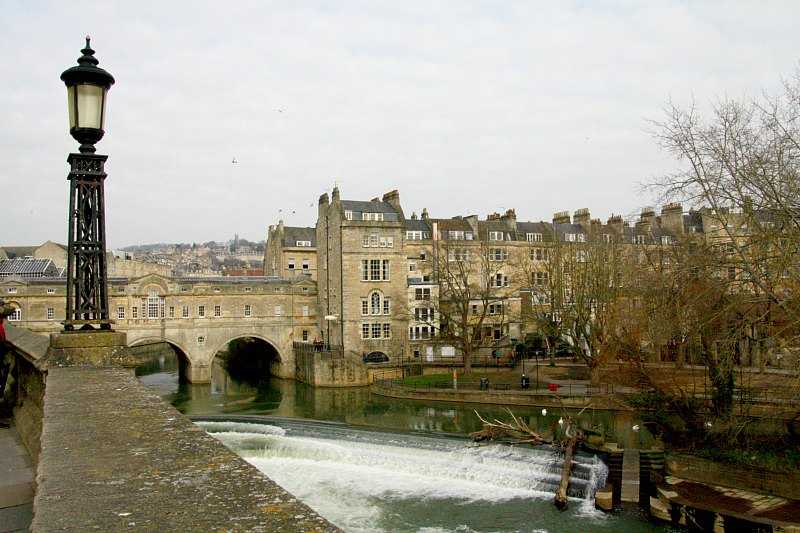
<point>680,305</point>
<point>473,297</point>
<point>573,290</point>
<point>743,164</point>
<point>731,292</point>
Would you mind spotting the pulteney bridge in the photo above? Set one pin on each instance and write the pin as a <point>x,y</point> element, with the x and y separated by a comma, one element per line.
<point>196,316</point>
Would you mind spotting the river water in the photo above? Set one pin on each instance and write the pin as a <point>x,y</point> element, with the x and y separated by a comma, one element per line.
<point>374,464</point>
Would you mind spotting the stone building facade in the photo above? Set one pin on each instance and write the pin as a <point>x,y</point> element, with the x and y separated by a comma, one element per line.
<point>362,275</point>
<point>199,316</point>
<point>290,252</point>
<point>379,272</point>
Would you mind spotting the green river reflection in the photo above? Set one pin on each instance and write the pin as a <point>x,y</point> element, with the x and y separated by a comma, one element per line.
<point>417,482</point>
<point>357,406</point>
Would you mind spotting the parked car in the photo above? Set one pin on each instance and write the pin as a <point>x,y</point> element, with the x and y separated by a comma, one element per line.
<point>376,357</point>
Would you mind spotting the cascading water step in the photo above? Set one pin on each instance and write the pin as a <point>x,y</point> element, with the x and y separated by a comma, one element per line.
<point>374,481</point>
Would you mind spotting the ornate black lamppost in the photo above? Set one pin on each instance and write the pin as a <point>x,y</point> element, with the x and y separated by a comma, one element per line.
<point>87,288</point>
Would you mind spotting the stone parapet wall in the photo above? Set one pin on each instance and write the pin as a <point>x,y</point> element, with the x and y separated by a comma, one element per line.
<point>29,383</point>
<point>115,457</point>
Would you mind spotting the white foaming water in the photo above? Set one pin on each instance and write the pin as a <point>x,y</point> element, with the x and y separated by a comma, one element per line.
<point>241,427</point>
<point>352,477</point>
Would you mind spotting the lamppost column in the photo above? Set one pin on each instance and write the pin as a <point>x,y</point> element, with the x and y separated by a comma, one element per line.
<point>87,293</point>
<point>87,276</point>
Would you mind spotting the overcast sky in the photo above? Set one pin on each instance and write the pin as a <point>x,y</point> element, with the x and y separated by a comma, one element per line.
<point>465,107</point>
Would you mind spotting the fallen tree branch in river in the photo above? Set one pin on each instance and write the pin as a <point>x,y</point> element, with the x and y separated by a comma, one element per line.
<point>519,432</point>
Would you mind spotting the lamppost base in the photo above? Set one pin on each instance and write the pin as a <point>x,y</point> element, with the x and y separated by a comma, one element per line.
<point>82,326</point>
<point>88,348</point>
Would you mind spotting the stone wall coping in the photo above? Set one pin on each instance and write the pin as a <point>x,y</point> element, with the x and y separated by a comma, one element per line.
<point>116,457</point>
<point>82,339</point>
<point>32,346</point>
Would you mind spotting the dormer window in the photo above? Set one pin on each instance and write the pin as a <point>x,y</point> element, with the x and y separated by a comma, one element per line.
<point>534,237</point>
<point>495,235</point>
<point>303,244</point>
<point>348,215</point>
<point>372,216</point>
<point>417,235</point>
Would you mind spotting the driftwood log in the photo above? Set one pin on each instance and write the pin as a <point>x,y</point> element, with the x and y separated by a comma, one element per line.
<point>560,498</point>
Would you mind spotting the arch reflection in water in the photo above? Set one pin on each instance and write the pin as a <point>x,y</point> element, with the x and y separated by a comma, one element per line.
<point>249,360</point>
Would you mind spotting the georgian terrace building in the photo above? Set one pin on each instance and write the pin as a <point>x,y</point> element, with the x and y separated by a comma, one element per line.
<point>377,270</point>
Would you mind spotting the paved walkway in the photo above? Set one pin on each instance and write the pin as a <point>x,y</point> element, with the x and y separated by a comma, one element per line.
<point>742,504</point>
<point>16,483</point>
<point>630,475</point>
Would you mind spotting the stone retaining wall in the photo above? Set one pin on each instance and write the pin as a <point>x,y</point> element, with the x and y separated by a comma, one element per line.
<point>325,369</point>
<point>784,484</point>
<point>495,397</point>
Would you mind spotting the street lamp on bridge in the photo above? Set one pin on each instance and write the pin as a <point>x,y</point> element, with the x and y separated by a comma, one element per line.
<point>87,288</point>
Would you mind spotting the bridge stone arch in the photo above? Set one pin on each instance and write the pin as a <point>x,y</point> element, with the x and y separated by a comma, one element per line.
<point>278,368</point>
<point>146,356</point>
<point>147,340</point>
<point>201,341</point>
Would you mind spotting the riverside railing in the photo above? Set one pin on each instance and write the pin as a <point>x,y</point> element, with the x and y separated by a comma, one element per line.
<point>318,349</point>
<point>563,389</point>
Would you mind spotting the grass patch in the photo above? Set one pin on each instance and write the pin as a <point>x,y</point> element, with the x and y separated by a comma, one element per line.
<point>431,380</point>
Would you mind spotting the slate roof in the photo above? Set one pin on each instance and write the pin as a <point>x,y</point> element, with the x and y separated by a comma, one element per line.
<point>453,224</point>
<point>293,234</point>
<point>358,206</point>
<point>563,229</point>
<point>28,268</point>
<point>416,225</point>
<point>523,228</point>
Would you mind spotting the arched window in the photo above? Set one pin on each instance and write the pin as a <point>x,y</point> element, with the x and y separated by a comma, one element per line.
<point>16,316</point>
<point>375,303</point>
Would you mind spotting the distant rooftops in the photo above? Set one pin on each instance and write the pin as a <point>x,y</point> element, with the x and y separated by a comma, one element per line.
<point>294,235</point>
<point>373,206</point>
<point>29,267</point>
